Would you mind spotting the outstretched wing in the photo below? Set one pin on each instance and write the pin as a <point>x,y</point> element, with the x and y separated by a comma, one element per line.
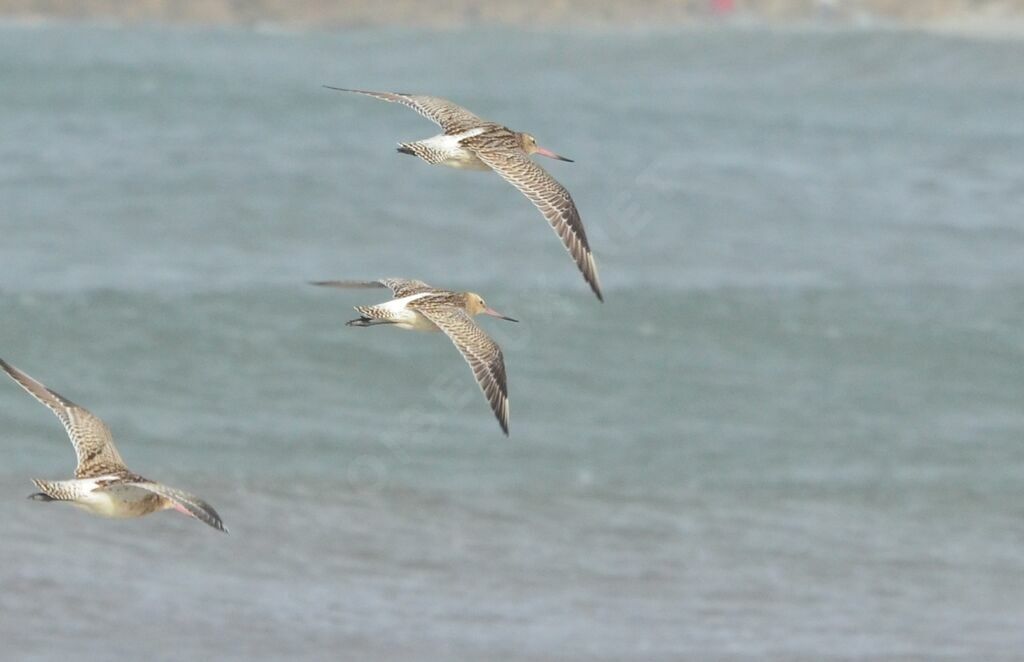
<point>550,197</point>
<point>400,287</point>
<point>186,503</point>
<point>451,117</point>
<point>483,354</point>
<point>94,445</point>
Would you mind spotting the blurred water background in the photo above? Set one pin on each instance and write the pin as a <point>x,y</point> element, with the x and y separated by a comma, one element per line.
<point>794,431</point>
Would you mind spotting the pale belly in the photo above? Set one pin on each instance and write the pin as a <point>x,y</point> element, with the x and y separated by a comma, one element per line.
<point>414,321</point>
<point>407,318</point>
<point>120,501</point>
<point>463,159</point>
<point>449,151</point>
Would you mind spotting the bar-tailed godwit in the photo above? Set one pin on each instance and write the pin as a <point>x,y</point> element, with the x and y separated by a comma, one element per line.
<point>420,307</point>
<point>472,143</point>
<point>103,485</point>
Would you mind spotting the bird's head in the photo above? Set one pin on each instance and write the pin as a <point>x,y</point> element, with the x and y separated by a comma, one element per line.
<point>530,146</point>
<point>475,305</point>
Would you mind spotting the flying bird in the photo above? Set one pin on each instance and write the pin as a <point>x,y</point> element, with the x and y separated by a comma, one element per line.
<point>472,143</point>
<point>103,485</point>
<point>420,307</point>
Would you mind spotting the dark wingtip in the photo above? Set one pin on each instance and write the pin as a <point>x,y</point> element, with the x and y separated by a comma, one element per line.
<point>504,422</point>
<point>212,518</point>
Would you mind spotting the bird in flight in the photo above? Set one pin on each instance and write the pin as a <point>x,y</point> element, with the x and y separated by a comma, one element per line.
<point>420,307</point>
<point>472,143</point>
<point>103,485</point>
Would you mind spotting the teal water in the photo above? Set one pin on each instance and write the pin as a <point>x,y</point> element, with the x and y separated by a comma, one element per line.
<point>794,431</point>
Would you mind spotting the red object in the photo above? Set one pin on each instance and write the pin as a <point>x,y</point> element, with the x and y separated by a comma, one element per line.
<point>723,6</point>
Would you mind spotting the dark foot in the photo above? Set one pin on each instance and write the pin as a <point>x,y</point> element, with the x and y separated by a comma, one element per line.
<point>405,150</point>
<point>39,496</point>
<point>367,321</point>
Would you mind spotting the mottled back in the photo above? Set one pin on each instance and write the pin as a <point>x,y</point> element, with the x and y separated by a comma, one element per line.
<point>547,195</point>
<point>400,287</point>
<point>481,353</point>
<point>451,117</point>
<point>90,436</point>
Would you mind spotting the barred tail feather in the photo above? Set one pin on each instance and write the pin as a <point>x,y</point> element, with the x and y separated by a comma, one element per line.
<point>368,312</point>
<point>370,316</point>
<point>48,491</point>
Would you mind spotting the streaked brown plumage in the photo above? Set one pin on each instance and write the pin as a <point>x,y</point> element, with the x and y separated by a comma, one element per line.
<point>420,307</point>
<point>470,142</point>
<point>103,485</point>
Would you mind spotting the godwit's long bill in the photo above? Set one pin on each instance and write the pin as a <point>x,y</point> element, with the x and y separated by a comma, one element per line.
<point>420,307</point>
<point>469,142</point>
<point>103,485</point>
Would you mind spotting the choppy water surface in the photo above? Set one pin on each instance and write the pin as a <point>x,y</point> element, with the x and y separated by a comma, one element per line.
<point>794,430</point>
